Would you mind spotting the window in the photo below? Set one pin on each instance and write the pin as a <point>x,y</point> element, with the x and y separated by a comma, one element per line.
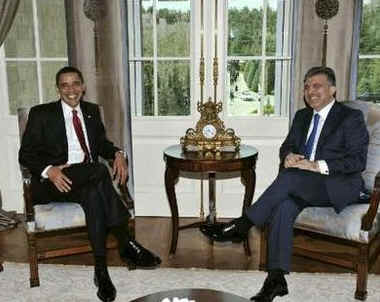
<point>258,57</point>
<point>35,48</point>
<point>160,56</point>
<point>165,46</point>
<point>368,87</point>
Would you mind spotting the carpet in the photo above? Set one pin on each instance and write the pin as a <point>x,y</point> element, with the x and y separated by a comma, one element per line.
<point>74,283</point>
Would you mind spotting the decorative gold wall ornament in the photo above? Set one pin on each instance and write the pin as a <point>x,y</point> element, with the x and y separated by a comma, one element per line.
<point>210,134</point>
<point>326,9</point>
<point>94,9</point>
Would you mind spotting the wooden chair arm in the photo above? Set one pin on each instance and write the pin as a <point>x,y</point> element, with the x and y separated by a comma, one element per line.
<point>25,173</point>
<point>369,217</point>
<point>27,188</point>
<point>126,196</point>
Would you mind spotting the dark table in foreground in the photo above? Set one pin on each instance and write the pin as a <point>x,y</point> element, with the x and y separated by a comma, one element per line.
<point>199,295</point>
<point>243,161</point>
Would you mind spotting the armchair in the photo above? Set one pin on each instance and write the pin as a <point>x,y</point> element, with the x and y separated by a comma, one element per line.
<point>350,239</point>
<point>47,225</point>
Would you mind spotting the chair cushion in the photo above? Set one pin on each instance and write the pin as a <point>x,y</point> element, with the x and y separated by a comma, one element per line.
<point>57,215</point>
<point>346,224</point>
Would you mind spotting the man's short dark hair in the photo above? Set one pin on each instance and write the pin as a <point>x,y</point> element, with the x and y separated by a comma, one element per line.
<point>68,69</point>
<point>327,71</point>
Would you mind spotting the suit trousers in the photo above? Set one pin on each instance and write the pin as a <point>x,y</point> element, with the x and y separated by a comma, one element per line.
<point>93,189</point>
<point>279,206</point>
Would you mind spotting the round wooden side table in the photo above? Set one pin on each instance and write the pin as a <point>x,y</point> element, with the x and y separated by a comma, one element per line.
<point>243,161</point>
<point>196,294</point>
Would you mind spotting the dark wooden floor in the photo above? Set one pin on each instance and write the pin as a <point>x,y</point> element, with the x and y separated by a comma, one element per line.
<point>193,250</point>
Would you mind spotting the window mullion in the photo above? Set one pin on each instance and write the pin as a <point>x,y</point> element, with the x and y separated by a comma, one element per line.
<point>369,56</point>
<point>136,69</point>
<point>287,10</point>
<point>155,63</point>
<point>38,51</point>
<point>282,36</point>
<point>262,91</point>
<point>4,106</point>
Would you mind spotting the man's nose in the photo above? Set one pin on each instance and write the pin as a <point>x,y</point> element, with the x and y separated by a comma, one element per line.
<point>70,88</point>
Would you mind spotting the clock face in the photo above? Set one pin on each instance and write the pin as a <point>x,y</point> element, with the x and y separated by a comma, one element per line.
<point>209,131</point>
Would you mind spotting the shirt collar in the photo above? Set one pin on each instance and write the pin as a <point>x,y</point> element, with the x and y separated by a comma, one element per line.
<point>325,110</point>
<point>67,110</point>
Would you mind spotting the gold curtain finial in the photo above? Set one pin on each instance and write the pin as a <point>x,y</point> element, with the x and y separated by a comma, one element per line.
<point>326,9</point>
<point>94,9</point>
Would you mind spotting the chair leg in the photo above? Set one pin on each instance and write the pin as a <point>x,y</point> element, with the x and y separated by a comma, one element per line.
<point>1,266</point>
<point>247,248</point>
<point>362,274</point>
<point>33,264</point>
<point>263,249</point>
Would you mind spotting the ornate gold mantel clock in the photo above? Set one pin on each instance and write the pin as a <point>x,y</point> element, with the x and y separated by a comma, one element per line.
<point>210,134</point>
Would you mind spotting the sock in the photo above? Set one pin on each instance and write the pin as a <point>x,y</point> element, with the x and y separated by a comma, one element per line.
<point>243,224</point>
<point>100,262</point>
<point>276,273</point>
<point>121,233</point>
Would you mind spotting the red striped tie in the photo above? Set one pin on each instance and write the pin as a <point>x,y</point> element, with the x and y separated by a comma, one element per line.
<point>79,131</point>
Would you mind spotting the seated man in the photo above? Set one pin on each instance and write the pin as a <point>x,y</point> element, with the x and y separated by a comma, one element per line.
<point>60,146</point>
<point>323,157</point>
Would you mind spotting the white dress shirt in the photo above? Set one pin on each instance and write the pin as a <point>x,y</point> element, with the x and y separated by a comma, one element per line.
<point>324,169</point>
<point>75,152</point>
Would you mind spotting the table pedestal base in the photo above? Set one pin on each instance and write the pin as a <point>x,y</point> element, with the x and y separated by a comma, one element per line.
<point>177,160</point>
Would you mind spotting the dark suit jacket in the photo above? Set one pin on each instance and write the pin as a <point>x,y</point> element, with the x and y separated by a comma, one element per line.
<point>343,144</point>
<point>45,143</point>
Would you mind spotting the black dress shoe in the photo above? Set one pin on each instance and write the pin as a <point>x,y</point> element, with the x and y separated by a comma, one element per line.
<point>135,255</point>
<point>106,290</point>
<point>272,287</point>
<point>224,232</point>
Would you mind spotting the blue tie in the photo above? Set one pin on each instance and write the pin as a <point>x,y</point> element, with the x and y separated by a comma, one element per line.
<point>310,141</point>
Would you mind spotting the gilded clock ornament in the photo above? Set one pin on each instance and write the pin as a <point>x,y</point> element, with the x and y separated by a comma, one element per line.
<point>210,133</point>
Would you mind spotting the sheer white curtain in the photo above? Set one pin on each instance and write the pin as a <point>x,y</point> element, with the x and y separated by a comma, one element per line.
<point>339,46</point>
<point>355,49</point>
<point>97,41</point>
<point>8,9</point>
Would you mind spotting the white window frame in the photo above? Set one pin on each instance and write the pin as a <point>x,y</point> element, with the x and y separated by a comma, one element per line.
<point>38,59</point>
<point>282,76</point>
<point>134,42</point>
<point>357,56</point>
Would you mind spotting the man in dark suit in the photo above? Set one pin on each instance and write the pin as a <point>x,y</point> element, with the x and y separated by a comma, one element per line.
<point>322,159</point>
<point>60,146</point>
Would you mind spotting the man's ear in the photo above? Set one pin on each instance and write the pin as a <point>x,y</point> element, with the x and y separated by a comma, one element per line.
<point>333,91</point>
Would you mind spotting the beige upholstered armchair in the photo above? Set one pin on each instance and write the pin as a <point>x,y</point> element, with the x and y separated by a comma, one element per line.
<point>47,225</point>
<point>352,238</point>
